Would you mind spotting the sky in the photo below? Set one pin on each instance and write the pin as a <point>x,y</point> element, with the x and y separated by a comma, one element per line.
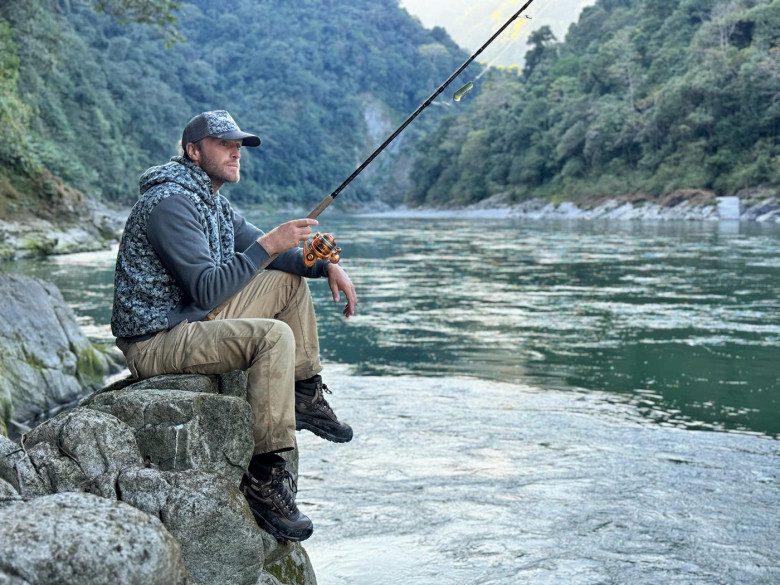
<point>472,22</point>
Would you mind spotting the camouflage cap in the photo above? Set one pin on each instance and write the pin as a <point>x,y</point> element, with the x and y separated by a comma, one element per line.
<point>217,124</point>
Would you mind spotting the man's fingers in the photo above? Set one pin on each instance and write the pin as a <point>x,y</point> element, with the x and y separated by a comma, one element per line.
<point>349,292</point>
<point>303,228</point>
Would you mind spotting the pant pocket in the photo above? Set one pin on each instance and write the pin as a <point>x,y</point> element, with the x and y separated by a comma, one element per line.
<point>139,359</point>
<point>196,348</point>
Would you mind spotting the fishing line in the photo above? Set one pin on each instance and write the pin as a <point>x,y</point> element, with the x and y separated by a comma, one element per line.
<point>489,66</point>
<point>506,46</point>
<point>514,35</point>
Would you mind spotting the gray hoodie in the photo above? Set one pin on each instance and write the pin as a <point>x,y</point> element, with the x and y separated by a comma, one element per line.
<point>178,255</point>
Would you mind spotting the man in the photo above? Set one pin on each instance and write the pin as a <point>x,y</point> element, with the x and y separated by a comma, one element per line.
<point>189,298</point>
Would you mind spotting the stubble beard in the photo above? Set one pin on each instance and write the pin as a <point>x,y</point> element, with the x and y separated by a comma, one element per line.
<point>217,173</point>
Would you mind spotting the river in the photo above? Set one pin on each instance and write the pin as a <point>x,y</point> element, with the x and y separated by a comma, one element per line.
<point>537,401</point>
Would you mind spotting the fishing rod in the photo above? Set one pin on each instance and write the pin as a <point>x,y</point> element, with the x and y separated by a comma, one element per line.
<point>324,246</point>
<point>329,199</point>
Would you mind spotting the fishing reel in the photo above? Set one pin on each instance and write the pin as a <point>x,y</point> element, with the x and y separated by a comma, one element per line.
<point>322,247</point>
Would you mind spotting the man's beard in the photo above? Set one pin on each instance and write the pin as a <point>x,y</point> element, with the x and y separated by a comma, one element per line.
<point>216,172</point>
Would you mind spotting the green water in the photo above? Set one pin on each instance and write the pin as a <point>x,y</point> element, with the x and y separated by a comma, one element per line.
<point>680,319</point>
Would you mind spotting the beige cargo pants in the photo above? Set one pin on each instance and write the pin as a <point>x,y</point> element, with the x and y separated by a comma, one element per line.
<point>267,329</point>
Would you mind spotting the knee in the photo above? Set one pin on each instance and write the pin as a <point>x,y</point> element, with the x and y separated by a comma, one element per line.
<point>282,335</point>
<point>265,335</point>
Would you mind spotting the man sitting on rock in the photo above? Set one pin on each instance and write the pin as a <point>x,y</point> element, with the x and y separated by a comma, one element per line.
<point>189,298</point>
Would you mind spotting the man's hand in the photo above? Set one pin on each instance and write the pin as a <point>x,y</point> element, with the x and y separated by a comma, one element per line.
<point>286,236</point>
<point>339,281</point>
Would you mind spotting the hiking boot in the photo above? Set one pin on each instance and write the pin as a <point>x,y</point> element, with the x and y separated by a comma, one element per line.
<point>313,413</point>
<point>273,506</point>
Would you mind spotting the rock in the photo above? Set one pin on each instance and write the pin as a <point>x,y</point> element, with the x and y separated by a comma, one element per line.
<point>85,539</point>
<point>82,450</point>
<point>17,469</point>
<point>45,359</point>
<point>172,453</point>
<point>764,210</point>
<point>7,491</point>
<point>289,566</point>
<point>206,513</point>
<point>71,225</point>
<point>179,429</point>
<point>231,383</point>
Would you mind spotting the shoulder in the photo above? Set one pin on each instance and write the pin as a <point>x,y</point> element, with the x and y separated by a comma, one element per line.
<point>176,204</point>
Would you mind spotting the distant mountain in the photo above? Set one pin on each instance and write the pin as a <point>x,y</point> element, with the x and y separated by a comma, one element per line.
<point>470,23</point>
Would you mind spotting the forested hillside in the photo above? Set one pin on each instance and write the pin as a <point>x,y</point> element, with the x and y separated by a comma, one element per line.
<point>642,97</point>
<point>94,101</point>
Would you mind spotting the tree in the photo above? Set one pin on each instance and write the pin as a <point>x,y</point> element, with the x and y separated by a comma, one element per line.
<point>643,96</point>
<point>156,13</point>
<point>537,40</point>
<point>14,113</point>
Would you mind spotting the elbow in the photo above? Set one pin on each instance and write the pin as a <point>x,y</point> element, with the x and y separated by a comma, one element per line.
<point>205,292</point>
<point>208,297</point>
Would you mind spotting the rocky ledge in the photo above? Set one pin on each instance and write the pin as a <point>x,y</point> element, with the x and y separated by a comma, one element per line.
<point>762,205</point>
<point>139,484</point>
<point>132,483</point>
<point>88,228</point>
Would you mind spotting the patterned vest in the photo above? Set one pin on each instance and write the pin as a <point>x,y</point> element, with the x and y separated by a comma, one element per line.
<point>144,290</point>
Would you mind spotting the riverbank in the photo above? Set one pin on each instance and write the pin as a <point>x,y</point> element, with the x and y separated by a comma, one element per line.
<point>101,225</point>
<point>98,228</point>
<point>759,204</point>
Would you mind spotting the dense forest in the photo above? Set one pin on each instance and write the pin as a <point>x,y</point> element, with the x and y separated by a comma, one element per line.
<point>642,97</point>
<point>92,92</point>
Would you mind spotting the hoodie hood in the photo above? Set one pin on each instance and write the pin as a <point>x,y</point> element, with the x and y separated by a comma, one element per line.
<point>183,172</point>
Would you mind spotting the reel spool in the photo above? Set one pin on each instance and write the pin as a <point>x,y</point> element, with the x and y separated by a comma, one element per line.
<point>322,247</point>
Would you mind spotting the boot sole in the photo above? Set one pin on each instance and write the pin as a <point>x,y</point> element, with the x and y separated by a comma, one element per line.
<point>303,425</point>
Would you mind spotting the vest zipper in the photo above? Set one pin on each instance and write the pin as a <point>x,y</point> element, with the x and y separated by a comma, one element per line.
<point>219,231</point>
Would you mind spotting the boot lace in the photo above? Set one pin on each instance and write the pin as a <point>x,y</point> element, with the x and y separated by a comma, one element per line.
<point>320,402</point>
<point>283,496</point>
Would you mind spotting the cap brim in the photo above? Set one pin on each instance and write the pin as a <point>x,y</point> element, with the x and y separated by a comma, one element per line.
<point>246,139</point>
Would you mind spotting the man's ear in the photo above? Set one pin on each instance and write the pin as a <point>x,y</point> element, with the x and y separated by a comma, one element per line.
<point>192,152</point>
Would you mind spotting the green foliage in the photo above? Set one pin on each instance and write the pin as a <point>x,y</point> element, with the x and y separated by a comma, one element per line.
<point>642,96</point>
<point>156,13</point>
<point>152,12</point>
<point>15,151</point>
<point>106,99</point>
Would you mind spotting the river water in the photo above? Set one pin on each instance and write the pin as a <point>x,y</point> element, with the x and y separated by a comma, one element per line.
<point>537,401</point>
